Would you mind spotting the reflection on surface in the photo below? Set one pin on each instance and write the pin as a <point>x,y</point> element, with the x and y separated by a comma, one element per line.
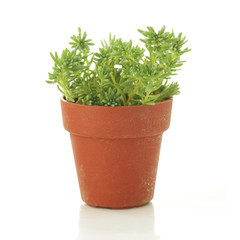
<point>101,223</point>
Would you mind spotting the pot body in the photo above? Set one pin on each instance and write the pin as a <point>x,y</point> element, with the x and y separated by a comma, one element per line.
<point>116,151</point>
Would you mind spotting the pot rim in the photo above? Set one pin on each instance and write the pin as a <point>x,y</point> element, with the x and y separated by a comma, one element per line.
<point>109,107</point>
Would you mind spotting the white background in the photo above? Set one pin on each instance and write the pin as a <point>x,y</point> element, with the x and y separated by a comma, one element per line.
<point>39,195</point>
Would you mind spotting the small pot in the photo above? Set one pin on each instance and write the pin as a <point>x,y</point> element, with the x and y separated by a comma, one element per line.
<point>116,151</point>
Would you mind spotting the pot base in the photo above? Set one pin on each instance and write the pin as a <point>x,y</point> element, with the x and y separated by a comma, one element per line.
<point>118,207</point>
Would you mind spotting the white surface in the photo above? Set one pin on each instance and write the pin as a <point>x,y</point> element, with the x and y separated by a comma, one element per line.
<point>56,215</point>
<point>39,195</point>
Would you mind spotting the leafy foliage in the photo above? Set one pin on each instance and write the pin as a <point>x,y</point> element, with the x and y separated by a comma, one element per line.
<point>120,74</point>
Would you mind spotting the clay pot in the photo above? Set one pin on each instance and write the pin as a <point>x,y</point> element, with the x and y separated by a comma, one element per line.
<point>116,151</point>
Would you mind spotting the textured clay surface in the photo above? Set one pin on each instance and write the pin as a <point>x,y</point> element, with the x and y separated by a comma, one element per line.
<point>116,151</point>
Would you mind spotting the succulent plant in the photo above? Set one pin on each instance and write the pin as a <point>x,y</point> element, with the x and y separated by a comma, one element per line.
<point>120,74</point>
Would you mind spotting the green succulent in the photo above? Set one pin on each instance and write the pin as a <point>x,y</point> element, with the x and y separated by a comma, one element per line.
<point>120,74</point>
<point>110,98</point>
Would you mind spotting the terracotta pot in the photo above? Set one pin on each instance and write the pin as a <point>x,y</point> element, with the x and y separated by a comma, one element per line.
<point>116,151</point>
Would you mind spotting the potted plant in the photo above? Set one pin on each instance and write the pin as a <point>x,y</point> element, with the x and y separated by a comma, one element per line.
<point>116,104</point>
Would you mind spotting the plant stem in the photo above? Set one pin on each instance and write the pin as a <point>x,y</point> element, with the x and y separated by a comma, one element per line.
<point>134,91</point>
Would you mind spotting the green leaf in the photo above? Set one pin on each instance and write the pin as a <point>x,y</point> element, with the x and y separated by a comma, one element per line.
<point>51,82</point>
